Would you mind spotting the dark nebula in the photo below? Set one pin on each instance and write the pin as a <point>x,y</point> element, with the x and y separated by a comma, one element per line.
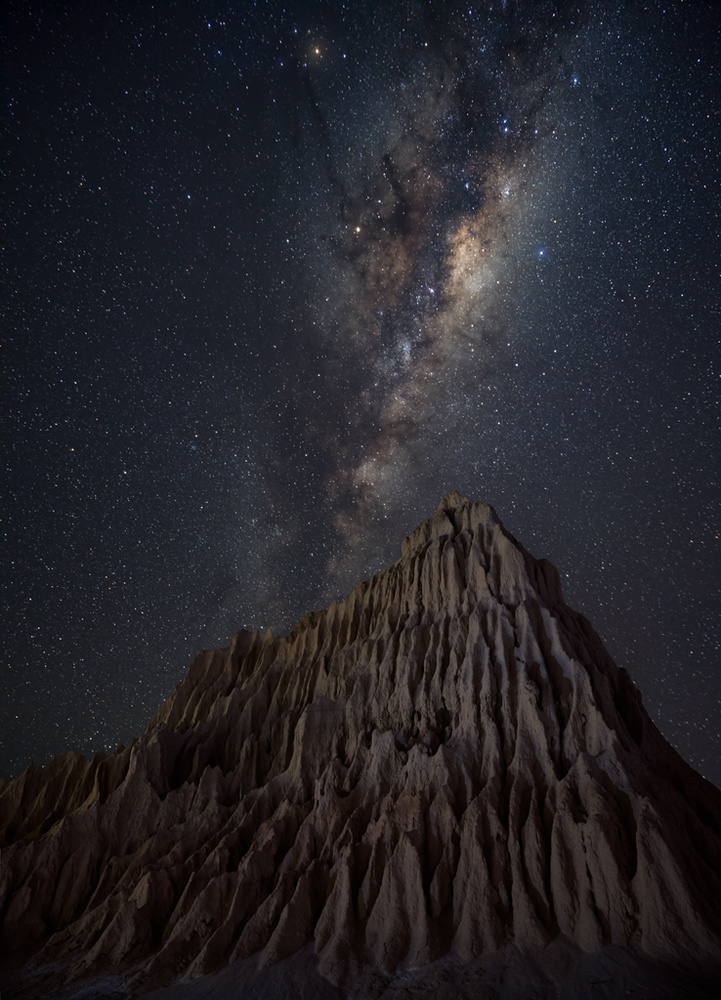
<point>280,276</point>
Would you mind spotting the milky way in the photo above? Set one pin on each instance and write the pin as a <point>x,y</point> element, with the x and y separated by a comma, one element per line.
<point>281,276</point>
<point>426,248</point>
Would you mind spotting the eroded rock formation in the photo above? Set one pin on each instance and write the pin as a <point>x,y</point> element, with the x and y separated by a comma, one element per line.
<point>446,761</point>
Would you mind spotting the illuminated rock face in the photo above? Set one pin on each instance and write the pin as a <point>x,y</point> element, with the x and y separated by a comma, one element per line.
<point>445,762</point>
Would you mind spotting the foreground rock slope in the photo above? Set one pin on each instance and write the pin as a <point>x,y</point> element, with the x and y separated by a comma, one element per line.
<point>448,761</point>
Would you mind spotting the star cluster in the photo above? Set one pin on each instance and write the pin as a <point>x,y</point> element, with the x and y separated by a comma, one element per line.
<point>281,275</point>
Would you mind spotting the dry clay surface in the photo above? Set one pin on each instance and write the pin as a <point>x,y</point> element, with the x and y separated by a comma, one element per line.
<point>447,763</point>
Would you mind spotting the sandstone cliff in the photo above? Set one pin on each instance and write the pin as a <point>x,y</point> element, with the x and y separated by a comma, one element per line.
<point>445,762</point>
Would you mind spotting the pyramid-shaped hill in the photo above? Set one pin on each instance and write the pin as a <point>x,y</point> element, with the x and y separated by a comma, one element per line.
<point>442,767</point>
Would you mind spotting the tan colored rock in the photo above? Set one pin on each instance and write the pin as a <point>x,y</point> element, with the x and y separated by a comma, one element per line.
<point>446,762</point>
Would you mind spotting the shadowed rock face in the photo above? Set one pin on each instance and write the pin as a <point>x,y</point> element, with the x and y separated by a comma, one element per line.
<point>446,761</point>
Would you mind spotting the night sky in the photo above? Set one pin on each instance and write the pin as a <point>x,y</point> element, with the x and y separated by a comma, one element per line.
<point>278,276</point>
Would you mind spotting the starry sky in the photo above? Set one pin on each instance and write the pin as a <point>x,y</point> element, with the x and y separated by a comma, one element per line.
<point>278,276</point>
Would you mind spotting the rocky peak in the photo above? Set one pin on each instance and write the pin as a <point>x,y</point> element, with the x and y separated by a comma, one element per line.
<point>446,762</point>
<point>471,534</point>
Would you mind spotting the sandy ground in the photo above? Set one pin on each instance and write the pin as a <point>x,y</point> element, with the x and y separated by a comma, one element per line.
<point>561,972</point>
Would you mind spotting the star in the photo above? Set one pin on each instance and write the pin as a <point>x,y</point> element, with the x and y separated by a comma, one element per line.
<point>400,283</point>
